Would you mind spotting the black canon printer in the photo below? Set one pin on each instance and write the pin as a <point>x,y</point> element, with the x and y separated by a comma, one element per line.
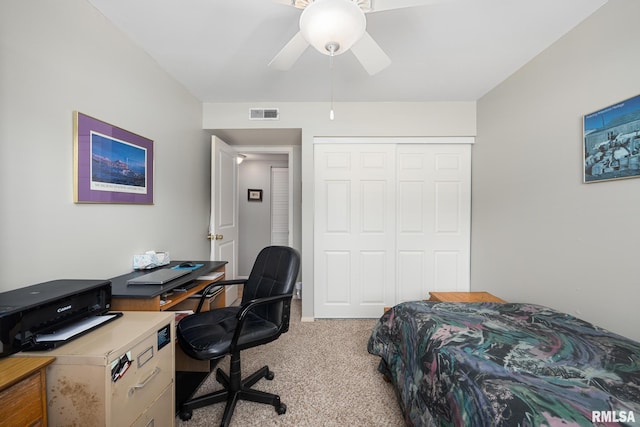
<point>46,315</point>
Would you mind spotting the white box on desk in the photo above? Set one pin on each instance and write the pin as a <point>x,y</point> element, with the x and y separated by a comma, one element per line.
<point>150,259</point>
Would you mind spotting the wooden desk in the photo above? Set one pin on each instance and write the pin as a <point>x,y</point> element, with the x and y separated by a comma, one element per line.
<point>149,297</point>
<point>463,297</point>
<point>190,373</point>
<point>23,391</point>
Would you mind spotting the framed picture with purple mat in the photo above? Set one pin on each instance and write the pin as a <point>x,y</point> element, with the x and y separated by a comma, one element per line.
<point>111,165</point>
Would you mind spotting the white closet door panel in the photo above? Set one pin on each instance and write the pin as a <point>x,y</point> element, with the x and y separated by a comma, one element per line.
<point>451,244</point>
<point>412,267</point>
<point>354,197</point>
<point>373,277</point>
<point>408,162</point>
<point>338,277</point>
<point>414,229</point>
<point>411,207</point>
<point>338,214</point>
<point>337,161</point>
<point>440,179</point>
<point>372,210</point>
<point>447,271</point>
<point>448,165</point>
<point>373,161</point>
<point>447,207</point>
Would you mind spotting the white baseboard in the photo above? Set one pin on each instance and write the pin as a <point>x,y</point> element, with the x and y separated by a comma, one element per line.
<point>307,319</point>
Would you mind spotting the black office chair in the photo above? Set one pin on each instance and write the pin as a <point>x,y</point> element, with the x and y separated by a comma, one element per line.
<point>262,317</point>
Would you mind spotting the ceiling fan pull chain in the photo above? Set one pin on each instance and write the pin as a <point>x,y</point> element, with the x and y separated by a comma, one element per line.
<point>331,115</point>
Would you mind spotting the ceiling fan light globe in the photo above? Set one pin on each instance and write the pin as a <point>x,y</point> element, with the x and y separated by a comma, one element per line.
<point>330,22</point>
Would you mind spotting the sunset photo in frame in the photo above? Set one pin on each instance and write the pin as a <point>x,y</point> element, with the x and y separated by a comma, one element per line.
<point>612,142</point>
<point>111,165</point>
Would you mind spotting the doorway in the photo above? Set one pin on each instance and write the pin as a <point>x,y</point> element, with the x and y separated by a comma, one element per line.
<point>264,216</point>
<point>282,142</point>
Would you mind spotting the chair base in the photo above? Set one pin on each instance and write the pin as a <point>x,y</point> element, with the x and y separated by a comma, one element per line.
<point>235,389</point>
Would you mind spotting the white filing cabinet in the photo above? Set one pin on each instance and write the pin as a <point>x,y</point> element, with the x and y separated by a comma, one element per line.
<point>81,389</point>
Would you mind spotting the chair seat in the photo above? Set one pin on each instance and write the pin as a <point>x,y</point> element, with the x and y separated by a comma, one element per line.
<point>208,335</point>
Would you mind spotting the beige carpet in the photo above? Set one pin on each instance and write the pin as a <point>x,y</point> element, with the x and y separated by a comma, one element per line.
<point>323,373</point>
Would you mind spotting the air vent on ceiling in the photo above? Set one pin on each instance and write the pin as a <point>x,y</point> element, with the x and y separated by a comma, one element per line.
<point>264,114</point>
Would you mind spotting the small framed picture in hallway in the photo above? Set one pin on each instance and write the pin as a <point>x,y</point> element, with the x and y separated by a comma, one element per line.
<point>254,195</point>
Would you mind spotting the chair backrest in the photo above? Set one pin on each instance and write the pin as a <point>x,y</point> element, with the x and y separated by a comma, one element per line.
<point>274,273</point>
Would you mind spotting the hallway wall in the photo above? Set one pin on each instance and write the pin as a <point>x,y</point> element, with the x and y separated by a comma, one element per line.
<point>254,217</point>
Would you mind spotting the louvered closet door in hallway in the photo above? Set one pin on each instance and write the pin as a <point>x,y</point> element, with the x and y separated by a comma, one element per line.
<point>392,222</point>
<point>280,206</point>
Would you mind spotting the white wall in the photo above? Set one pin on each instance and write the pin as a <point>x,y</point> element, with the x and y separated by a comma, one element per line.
<point>352,119</point>
<point>61,56</point>
<point>254,218</point>
<point>538,233</point>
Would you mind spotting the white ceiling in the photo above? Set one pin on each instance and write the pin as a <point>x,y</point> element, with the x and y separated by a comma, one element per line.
<point>456,50</point>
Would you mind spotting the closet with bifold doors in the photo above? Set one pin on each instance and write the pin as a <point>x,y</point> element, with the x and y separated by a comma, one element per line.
<point>392,219</point>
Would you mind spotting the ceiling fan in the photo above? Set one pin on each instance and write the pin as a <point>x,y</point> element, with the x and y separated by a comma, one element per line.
<point>336,26</point>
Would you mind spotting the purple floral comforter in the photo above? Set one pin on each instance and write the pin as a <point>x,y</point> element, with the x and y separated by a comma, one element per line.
<point>491,364</point>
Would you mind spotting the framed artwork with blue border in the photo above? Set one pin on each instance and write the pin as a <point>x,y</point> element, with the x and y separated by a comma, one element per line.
<point>612,142</point>
<point>111,165</point>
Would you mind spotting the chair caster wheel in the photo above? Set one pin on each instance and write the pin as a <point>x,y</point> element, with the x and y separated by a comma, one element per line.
<point>185,415</point>
<point>269,375</point>
<point>281,409</point>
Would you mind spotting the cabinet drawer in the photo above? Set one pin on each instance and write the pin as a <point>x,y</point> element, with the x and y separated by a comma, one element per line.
<point>160,413</point>
<point>22,404</point>
<point>150,373</point>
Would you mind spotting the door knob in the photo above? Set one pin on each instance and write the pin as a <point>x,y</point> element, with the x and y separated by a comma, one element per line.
<point>215,236</point>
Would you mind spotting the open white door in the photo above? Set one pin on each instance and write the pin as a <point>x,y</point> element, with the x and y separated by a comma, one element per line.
<point>223,224</point>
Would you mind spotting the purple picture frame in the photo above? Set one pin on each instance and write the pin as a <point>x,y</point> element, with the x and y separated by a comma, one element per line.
<point>111,165</point>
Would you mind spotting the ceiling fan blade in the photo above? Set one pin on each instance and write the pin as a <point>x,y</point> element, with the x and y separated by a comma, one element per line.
<point>378,5</point>
<point>289,54</point>
<point>285,2</point>
<point>370,54</point>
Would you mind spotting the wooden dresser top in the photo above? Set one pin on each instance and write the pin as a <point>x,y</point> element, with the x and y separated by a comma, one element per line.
<point>14,369</point>
<point>464,297</point>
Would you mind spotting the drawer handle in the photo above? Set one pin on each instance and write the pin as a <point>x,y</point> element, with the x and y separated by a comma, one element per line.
<point>144,383</point>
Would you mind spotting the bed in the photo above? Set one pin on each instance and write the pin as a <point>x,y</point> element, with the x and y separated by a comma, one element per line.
<point>493,364</point>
